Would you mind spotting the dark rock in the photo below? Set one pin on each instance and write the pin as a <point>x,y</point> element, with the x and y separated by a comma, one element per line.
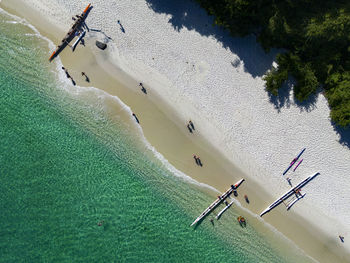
<point>101,45</point>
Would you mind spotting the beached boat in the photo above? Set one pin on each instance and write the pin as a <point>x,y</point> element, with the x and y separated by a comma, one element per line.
<point>294,191</point>
<point>294,161</point>
<point>218,201</point>
<point>77,27</point>
<point>298,165</point>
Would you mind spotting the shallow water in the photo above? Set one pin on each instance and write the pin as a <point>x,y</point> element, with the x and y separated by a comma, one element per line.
<point>67,165</point>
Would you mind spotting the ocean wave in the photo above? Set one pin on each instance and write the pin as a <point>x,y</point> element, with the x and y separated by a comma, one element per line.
<point>104,95</point>
<point>76,90</point>
<point>23,21</point>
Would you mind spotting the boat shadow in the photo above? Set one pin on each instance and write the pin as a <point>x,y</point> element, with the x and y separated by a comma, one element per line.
<point>71,34</point>
<point>189,15</point>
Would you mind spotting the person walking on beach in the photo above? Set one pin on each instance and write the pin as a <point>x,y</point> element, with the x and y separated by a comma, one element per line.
<point>69,76</point>
<point>198,160</point>
<point>137,120</point>
<point>341,238</point>
<point>246,199</point>
<point>143,88</point>
<point>192,126</point>
<point>121,26</point>
<point>195,158</point>
<point>289,181</point>
<point>189,128</point>
<point>66,71</point>
<point>86,77</point>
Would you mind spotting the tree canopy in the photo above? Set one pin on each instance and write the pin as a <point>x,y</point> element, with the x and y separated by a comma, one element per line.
<point>315,36</point>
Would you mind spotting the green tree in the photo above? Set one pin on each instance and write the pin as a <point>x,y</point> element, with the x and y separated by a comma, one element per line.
<point>314,34</point>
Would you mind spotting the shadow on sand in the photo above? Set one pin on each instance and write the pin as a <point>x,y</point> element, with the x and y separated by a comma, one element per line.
<point>344,135</point>
<point>282,100</point>
<point>188,14</point>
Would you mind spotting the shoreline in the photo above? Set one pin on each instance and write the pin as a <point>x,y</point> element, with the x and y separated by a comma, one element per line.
<point>156,125</point>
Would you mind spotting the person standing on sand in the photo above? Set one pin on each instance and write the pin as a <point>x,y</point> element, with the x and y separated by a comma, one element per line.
<point>192,126</point>
<point>195,158</point>
<point>137,120</point>
<point>121,26</point>
<point>199,161</point>
<point>143,88</point>
<point>246,199</point>
<point>86,77</point>
<point>189,128</point>
<point>66,71</point>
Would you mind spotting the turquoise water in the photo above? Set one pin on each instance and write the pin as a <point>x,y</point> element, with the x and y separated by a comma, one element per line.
<point>66,166</point>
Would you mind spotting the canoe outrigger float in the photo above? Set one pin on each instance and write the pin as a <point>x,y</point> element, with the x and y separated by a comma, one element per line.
<point>81,35</point>
<point>219,200</point>
<point>77,27</point>
<point>294,191</point>
<point>223,210</point>
<point>298,165</point>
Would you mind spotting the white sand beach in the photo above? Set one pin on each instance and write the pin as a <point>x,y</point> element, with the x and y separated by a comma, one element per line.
<point>195,71</point>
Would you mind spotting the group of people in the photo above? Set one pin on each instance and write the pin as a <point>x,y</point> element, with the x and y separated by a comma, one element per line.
<point>190,127</point>
<point>70,77</point>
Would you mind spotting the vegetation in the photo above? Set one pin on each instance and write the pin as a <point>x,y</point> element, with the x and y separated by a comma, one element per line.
<point>315,35</point>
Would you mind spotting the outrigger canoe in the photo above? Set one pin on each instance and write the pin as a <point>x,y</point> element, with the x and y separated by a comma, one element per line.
<point>71,33</point>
